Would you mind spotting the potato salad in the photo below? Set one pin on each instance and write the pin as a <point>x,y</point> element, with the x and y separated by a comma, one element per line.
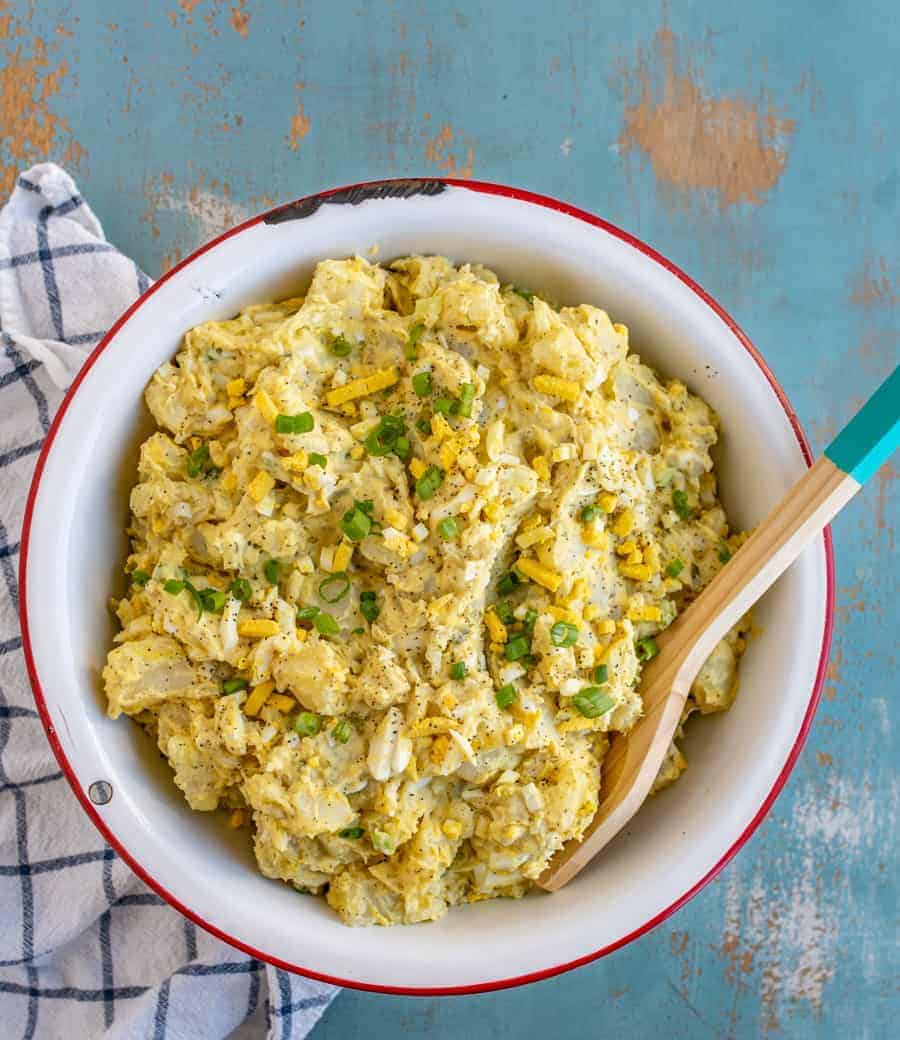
<point>399,549</point>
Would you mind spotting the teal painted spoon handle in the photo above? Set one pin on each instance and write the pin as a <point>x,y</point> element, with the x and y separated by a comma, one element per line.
<point>872,435</point>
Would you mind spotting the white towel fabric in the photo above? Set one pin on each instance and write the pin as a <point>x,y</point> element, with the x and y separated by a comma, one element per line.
<point>86,949</point>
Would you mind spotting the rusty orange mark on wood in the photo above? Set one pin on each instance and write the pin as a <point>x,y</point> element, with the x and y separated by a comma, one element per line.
<point>824,759</point>
<point>300,124</point>
<point>834,666</point>
<point>188,6</point>
<point>29,130</point>
<point>874,285</point>
<point>885,478</point>
<point>240,19</point>
<point>169,260</point>
<point>729,148</point>
<point>437,151</point>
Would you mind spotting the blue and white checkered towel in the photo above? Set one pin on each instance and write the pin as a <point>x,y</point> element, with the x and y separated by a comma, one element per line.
<point>86,950</point>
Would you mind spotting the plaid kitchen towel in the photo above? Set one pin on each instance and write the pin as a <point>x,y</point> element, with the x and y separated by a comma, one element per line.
<point>86,950</point>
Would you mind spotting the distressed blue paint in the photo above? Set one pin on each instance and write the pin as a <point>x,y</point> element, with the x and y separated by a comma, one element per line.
<point>799,932</point>
<point>872,435</point>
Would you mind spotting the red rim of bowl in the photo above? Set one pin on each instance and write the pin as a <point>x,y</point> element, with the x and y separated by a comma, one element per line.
<point>486,188</point>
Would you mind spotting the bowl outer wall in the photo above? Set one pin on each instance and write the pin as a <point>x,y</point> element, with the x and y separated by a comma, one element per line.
<point>140,839</point>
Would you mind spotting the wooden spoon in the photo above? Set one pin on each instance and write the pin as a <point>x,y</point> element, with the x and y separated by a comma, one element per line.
<point>634,758</point>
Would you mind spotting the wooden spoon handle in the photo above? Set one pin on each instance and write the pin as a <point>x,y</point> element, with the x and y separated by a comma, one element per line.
<point>634,758</point>
<point>760,561</point>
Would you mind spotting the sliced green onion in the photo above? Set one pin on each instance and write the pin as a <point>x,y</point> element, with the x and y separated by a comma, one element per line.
<point>505,696</point>
<point>356,524</point>
<point>414,335</point>
<point>504,610</point>
<point>357,631</point>
<point>564,633</point>
<point>214,600</point>
<point>402,448</point>
<point>334,587</point>
<point>198,461</point>
<point>592,702</point>
<point>526,294</point>
<point>724,553</point>
<point>351,833</point>
<point>307,724</point>
<point>646,649</point>
<point>429,482</point>
<point>446,406</point>
<point>675,567</point>
<point>422,384</point>
<point>301,423</point>
<point>508,583</point>
<point>341,347</point>
<point>517,647</point>
<point>589,513</point>
<point>466,399</point>
<point>241,589</point>
<point>530,618</point>
<point>315,459</point>
<point>195,595</point>
<point>173,587</point>
<point>601,674</point>
<point>342,731</point>
<point>234,684</point>
<point>139,578</point>
<point>326,624</point>
<point>383,437</point>
<point>448,527</point>
<point>681,505</point>
<point>423,425</point>
<point>271,571</point>
<point>458,670</point>
<point>307,613</point>
<point>368,607</point>
<point>374,444</point>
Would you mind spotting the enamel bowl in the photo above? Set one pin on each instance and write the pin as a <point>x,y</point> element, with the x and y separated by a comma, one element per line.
<point>73,547</point>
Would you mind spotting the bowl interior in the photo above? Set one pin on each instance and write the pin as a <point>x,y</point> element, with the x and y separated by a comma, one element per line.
<point>76,547</point>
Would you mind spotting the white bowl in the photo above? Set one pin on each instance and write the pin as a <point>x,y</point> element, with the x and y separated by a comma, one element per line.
<point>73,547</point>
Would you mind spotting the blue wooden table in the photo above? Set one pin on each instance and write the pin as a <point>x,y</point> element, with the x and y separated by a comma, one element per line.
<point>756,145</point>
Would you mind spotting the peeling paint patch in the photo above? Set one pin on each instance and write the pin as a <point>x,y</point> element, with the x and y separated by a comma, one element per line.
<point>841,814</point>
<point>875,285</point>
<point>439,151</point>
<point>240,19</point>
<point>731,150</point>
<point>779,942</point>
<point>781,938</point>
<point>29,130</point>
<point>884,478</point>
<point>300,124</point>
<point>169,260</point>
<point>203,210</point>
